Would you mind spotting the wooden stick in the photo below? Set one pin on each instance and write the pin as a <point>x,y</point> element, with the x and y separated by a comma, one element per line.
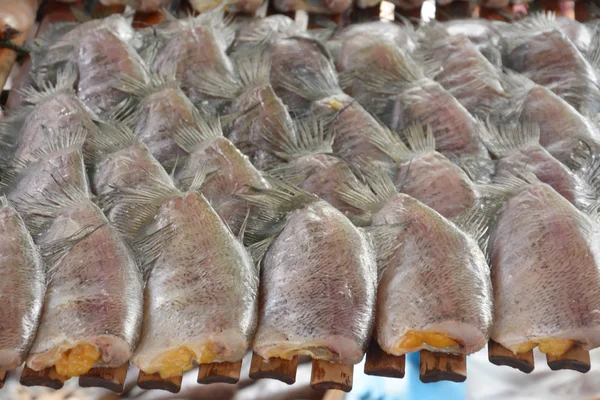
<point>107,378</point>
<point>47,377</point>
<point>500,355</point>
<point>154,381</point>
<point>8,58</point>
<point>380,363</point>
<point>225,372</point>
<point>274,368</point>
<point>437,367</point>
<point>2,378</point>
<point>576,359</point>
<point>326,375</point>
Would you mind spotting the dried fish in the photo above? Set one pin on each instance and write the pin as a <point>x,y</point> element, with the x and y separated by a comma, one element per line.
<point>313,253</point>
<point>21,289</point>
<point>545,273</point>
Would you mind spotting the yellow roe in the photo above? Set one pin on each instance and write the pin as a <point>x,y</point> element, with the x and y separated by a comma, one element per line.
<point>78,360</point>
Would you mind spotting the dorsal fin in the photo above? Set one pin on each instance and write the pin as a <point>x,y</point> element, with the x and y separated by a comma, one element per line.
<point>371,191</point>
<point>502,140</point>
<point>189,136</point>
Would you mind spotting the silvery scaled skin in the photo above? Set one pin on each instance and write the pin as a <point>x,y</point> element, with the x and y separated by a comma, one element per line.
<point>437,280</point>
<point>95,292</point>
<point>547,57</point>
<point>318,283</point>
<point>202,290</point>
<point>101,57</point>
<point>466,74</point>
<point>545,269</point>
<point>157,116</point>
<point>22,288</point>
<point>231,174</point>
<point>438,183</point>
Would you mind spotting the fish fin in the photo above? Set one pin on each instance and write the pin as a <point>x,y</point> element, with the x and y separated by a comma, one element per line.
<point>419,138</point>
<point>65,80</point>
<point>243,226</point>
<point>254,67</point>
<point>322,83</point>
<point>140,204</point>
<point>312,136</point>
<point>54,251</point>
<point>37,214</point>
<point>507,184</point>
<point>502,140</point>
<point>219,83</point>
<point>148,248</point>
<point>370,191</point>
<point>113,136</point>
<point>142,88</point>
<point>404,72</point>
<point>259,249</point>
<point>281,199</point>
<point>518,86</point>
<point>385,242</point>
<point>478,169</point>
<point>589,172</point>
<point>391,144</point>
<point>290,174</point>
<point>189,136</point>
<point>476,219</point>
<point>124,112</point>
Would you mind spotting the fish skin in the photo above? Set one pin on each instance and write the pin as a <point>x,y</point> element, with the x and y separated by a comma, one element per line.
<point>203,286</point>
<point>156,116</point>
<point>101,57</point>
<point>313,298</point>
<point>48,174</point>
<point>562,127</point>
<point>544,258</point>
<point>466,73</point>
<point>550,59</point>
<point>548,169</point>
<point>446,280</point>
<point>327,173</point>
<point>454,128</point>
<point>269,28</point>
<point>581,35</point>
<point>193,48</point>
<point>131,167</point>
<point>238,6</point>
<point>438,183</point>
<point>484,34</point>
<point>355,45</point>
<point>21,288</point>
<point>351,124</point>
<point>247,131</point>
<point>231,174</point>
<point>95,293</point>
<point>59,115</point>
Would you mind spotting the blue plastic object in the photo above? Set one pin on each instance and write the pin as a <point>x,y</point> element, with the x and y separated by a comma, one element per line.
<point>410,388</point>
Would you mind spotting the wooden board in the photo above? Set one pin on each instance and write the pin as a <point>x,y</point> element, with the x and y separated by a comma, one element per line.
<point>47,377</point>
<point>107,378</point>
<point>500,355</point>
<point>380,363</point>
<point>274,368</point>
<point>437,367</point>
<point>154,381</point>
<point>326,375</point>
<point>576,359</point>
<point>3,375</point>
<point>225,372</point>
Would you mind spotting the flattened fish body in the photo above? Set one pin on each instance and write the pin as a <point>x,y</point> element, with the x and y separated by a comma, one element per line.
<point>318,288</point>
<point>436,281</point>
<point>22,289</point>
<point>202,292</point>
<point>95,295</point>
<point>544,259</point>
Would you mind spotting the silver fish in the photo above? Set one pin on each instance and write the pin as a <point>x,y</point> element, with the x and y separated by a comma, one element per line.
<point>538,49</point>
<point>202,288</point>
<point>435,290</point>
<point>318,281</point>
<point>484,34</point>
<point>230,172</point>
<point>517,148</point>
<point>94,302</point>
<point>545,270</point>
<point>21,289</point>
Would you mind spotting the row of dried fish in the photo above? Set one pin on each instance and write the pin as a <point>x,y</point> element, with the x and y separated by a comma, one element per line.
<point>372,213</point>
